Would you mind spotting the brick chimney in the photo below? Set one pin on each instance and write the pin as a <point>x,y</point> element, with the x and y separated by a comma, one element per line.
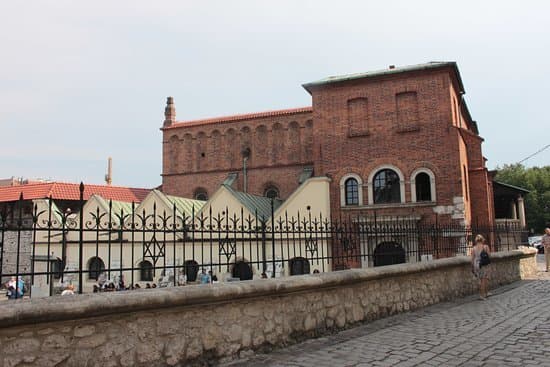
<point>169,112</point>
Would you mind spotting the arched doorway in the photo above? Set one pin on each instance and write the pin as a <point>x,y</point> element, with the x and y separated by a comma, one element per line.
<point>298,266</point>
<point>242,270</point>
<point>146,273</point>
<point>191,270</point>
<point>96,266</point>
<point>389,253</point>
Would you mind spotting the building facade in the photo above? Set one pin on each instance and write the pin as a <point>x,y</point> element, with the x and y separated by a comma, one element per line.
<point>398,142</point>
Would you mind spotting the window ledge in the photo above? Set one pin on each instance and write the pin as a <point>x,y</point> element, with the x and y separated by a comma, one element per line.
<point>408,129</point>
<point>392,205</point>
<point>356,134</point>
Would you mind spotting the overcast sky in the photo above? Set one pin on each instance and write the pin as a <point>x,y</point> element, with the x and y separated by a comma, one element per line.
<point>81,81</point>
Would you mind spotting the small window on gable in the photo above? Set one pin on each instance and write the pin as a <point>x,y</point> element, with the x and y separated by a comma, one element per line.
<point>352,191</point>
<point>271,192</point>
<point>407,111</point>
<point>201,194</point>
<point>298,266</point>
<point>145,271</point>
<point>191,269</point>
<point>386,187</point>
<point>96,266</point>
<point>423,187</point>
<point>57,268</point>
<point>358,116</point>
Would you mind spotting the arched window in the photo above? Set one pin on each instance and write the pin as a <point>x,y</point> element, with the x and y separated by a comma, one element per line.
<point>299,265</point>
<point>386,187</point>
<point>57,268</point>
<point>422,185</point>
<point>352,191</point>
<point>145,271</point>
<point>271,192</point>
<point>242,270</point>
<point>423,189</point>
<point>191,270</point>
<point>96,266</point>
<point>201,194</point>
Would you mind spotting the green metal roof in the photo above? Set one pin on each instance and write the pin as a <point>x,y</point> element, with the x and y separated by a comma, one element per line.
<point>230,179</point>
<point>517,188</point>
<point>117,206</point>
<point>121,206</point>
<point>306,173</point>
<point>184,205</point>
<point>258,205</point>
<point>397,70</point>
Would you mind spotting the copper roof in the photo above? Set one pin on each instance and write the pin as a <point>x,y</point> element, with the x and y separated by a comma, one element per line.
<point>71,191</point>
<point>391,71</point>
<point>247,116</point>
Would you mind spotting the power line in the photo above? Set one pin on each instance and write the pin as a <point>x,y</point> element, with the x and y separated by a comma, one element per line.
<point>534,154</point>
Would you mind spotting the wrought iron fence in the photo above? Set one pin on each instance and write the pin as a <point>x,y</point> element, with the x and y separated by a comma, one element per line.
<point>43,249</point>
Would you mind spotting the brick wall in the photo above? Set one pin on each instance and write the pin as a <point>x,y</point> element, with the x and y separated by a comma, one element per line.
<point>429,142</point>
<point>404,121</point>
<point>203,154</point>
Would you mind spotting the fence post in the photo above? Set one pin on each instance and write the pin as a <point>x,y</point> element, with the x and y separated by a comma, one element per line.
<point>272,238</point>
<point>19,227</point>
<point>264,258</point>
<point>81,237</point>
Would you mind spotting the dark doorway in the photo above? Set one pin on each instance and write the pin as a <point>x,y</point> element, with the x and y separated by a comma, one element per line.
<point>145,271</point>
<point>191,270</point>
<point>96,266</point>
<point>299,265</point>
<point>242,270</point>
<point>389,253</point>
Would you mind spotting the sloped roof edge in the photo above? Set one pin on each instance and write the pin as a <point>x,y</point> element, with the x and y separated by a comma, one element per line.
<point>511,186</point>
<point>259,205</point>
<point>384,72</point>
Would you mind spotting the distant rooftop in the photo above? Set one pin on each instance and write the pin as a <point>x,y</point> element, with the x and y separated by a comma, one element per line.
<point>241,117</point>
<point>390,71</point>
<point>71,191</point>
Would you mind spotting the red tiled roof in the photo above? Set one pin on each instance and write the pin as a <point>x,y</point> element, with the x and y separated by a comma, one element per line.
<point>247,116</point>
<point>71,191</point>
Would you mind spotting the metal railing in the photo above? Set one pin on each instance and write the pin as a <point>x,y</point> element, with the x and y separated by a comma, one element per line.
<point>48,248</point>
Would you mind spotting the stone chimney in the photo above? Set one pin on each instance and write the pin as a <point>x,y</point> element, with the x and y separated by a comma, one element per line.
<point>169,112</point>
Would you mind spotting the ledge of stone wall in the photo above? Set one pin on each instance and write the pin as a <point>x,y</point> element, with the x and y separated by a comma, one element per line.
<point>24,312</point>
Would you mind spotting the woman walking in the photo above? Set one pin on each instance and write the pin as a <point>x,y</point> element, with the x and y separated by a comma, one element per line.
<point>480,267</point>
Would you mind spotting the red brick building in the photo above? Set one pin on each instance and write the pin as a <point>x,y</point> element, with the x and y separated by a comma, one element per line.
<point>399,141</point>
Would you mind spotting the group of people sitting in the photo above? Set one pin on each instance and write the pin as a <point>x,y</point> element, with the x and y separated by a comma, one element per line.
<point>15,288</point>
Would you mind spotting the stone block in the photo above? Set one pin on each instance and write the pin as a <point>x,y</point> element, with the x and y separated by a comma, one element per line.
<point>174,350</point>
<point>92,341</point>
<point>84,330</point>
<point>194,349</point>
<point>149,352</point>
<point>55,341</point>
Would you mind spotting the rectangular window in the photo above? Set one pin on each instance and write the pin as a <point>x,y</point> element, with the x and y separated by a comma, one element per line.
<point>358,116</point>
<point>407,111</point>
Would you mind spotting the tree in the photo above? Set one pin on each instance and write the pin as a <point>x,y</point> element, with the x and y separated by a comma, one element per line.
<point>537,181</point>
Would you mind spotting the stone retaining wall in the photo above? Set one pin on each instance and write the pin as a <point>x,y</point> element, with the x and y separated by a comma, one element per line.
<point>196,324</point>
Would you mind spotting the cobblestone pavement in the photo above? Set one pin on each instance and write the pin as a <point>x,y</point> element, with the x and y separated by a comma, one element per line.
<point>510,328</point>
